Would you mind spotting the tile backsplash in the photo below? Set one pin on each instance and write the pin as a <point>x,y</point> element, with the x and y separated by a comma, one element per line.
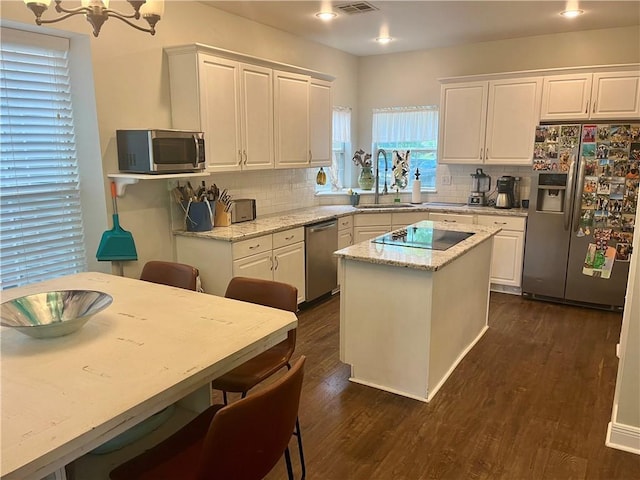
<point>274,190</point>
<point>278,191</point>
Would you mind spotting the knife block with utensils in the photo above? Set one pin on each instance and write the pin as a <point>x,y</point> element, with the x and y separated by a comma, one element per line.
<point>222,218</point>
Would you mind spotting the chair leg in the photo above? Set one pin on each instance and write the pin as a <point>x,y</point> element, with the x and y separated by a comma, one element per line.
<point>287,459</point>
<point>298,434</point>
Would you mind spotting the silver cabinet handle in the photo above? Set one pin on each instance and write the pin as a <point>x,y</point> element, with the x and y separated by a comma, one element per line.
<point>481,153</point>
<point>310,156</point>
<point>289,238</point>
<point>244,154</point>
<point>271,261</point>
<point>499,223</point>
<point>255,246</point>
<point>586,107</point>
<point>594,107</point>
<point>486,154</point>
<point>276,259</point>
<point>449,221</point>
<point>239,157</point>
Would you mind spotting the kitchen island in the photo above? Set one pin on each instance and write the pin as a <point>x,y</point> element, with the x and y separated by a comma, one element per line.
<point>409,315</point>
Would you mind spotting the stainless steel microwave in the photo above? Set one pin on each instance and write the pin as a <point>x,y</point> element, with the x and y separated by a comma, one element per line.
<point>160,151</point>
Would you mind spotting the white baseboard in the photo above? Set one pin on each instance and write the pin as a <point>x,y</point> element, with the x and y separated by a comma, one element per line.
<point>495,287</point>
<point>623,437</point>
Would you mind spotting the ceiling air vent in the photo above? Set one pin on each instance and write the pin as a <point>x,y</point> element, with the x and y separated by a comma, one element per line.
<point>356,7</point>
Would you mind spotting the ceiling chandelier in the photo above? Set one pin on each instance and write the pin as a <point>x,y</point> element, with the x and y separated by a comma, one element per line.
<point>97,12</point>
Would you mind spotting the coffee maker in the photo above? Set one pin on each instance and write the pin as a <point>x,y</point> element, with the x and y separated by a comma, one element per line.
<point>506,192</point>
<point>480,184</point>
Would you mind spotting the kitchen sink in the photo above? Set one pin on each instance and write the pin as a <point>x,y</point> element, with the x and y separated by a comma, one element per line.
<point>445,204</point>
<point>386,205</point>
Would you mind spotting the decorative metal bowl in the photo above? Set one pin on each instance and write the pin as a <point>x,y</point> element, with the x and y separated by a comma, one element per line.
<point>52,314</point>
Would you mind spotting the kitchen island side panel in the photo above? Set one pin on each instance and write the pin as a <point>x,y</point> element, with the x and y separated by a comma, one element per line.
<point>385,320</point>
<point>460,311</point>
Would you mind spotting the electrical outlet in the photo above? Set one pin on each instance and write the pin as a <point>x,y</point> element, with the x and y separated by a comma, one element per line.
<point>445,180</point>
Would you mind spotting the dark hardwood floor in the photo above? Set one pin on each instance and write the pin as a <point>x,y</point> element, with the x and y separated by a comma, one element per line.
<point>531,400</point>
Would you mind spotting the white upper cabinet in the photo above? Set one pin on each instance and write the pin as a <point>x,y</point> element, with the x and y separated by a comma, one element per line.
<point>512,115</point>
<point>231,102</point>
<point>463,116</point>
<point>616,95</point>
<point>591,96</point>
<point>320,122</point>
<point>489,121</point>
<point>257,116</point>
<point>291,109</point>
<point>566,97</point>
<point>253,115</point>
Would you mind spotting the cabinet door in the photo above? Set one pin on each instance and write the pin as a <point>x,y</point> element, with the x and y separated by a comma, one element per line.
<point>220,112</point>
<point>506,260</point>
<point>288,267</point>
<point>512,115</point>
<point>463,113</point>
<point>254,266</point>
<point>360,234</point>
<point>320,122</point>
<point>257,117</point>
<point>566,97</point>
<point>345,238</point>
<point>615,95</point>
<point>291,110</point>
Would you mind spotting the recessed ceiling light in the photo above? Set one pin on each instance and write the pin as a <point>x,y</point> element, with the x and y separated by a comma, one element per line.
<point>383,40</point>
<point>326,16</point>
<point>571,13</point>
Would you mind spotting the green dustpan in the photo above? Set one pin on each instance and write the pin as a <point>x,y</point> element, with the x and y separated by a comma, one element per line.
<point>116,244</point>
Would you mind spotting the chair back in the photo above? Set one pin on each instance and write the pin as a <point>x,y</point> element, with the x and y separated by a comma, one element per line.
<point>263,292</point>
<point>170,273</point>
<point>268,293</point>
<point>248,437</point>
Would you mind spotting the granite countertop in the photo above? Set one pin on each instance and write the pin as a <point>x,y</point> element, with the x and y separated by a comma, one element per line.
<point>306,216</point>
<point>419,258</point>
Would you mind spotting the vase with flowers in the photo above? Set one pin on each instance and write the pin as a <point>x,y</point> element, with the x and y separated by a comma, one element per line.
<point>366,178</point>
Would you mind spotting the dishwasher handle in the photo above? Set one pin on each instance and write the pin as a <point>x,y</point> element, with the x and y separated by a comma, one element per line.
<point>319,227</point>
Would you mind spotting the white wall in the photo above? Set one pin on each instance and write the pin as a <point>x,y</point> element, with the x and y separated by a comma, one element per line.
<point>132,90</point>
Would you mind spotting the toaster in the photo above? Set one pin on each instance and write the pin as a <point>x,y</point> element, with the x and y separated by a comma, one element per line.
<point>243,210</point>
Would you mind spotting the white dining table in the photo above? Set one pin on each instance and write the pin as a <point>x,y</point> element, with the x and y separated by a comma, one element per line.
<point>153,346</point>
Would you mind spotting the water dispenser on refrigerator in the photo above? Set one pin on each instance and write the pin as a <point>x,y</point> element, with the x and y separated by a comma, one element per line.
<point>551,191</point>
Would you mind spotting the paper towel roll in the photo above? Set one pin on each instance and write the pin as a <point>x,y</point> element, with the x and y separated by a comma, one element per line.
<point>416,196</point>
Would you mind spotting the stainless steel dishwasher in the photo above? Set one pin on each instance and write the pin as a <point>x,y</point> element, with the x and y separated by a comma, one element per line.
<point>321,240</point>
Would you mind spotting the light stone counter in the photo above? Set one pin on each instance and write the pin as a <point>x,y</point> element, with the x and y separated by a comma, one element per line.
<point>305,216</point>
<point>419,258</point>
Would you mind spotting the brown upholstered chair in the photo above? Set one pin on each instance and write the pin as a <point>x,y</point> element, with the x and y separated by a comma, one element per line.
<point>246,376</point>
<point>170,273</point>
<point>241,441</point>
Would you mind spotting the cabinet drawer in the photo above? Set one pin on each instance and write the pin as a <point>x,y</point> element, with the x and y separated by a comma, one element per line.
<point>368,219</point>
<point>345,222</point>
<point>288,237</point>
<point>506,223</point>
<point>251,247</point>
<point>451,217</point>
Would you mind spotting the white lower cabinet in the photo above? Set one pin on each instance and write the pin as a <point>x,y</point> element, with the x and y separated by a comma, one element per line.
<point>402,219</point>
<point>278,256</point>
<point>370,225</point>
<point>508,249</point>
<point>451,218</point>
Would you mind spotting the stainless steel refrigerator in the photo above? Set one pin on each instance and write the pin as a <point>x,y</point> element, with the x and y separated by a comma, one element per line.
<point>584,192</point>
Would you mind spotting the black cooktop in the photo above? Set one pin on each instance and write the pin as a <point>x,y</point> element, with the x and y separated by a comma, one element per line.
<point>423,237</point>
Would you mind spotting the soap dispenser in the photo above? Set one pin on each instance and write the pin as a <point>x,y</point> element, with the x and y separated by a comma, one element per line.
<point>416,196</point>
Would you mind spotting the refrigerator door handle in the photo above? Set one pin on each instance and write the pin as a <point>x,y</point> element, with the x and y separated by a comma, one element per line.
<point>569,195</point>
<point>577,205</point>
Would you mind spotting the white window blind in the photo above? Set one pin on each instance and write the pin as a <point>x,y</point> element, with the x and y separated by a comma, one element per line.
<point>41,233</point>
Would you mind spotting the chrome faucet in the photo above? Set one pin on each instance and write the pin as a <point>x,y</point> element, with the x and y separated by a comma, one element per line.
<point>376,194</point>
